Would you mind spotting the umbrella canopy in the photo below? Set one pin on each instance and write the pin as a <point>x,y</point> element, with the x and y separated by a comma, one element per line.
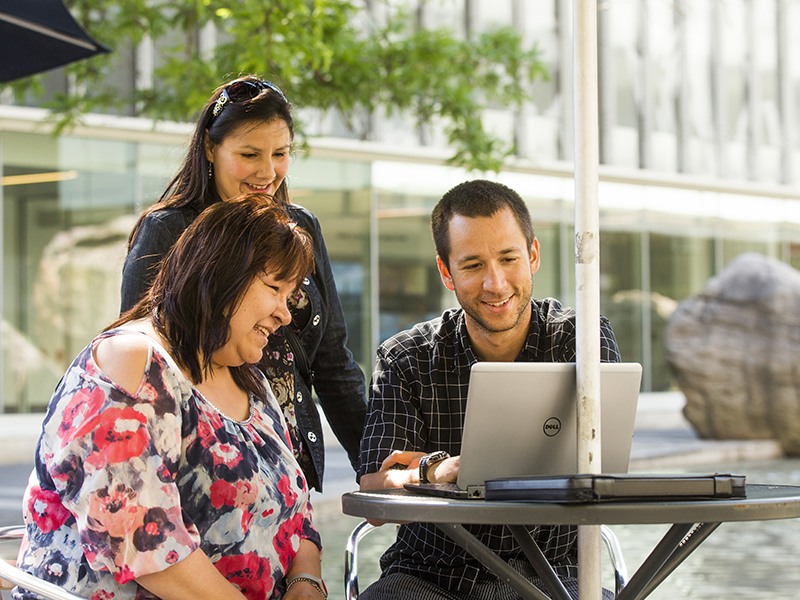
<point>38,35</point>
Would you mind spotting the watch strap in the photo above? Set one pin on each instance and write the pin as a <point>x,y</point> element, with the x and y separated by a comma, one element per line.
<point>427,461</point>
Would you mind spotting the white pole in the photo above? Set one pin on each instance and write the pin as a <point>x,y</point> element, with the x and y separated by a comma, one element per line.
<point>587,278</point>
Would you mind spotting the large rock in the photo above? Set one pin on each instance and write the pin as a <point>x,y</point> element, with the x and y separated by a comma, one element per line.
<point>735,351</point>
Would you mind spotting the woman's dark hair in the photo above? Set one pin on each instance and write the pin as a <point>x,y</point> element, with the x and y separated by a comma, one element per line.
<point>205,275</point>
<point>191,186</point>
<point>477,198</point>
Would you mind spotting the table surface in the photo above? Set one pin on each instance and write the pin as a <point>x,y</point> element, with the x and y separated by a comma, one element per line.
<point>763,502</point>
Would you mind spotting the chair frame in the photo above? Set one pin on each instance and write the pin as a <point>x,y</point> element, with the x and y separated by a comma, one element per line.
<point>364,528</point>
<point>23,579</point>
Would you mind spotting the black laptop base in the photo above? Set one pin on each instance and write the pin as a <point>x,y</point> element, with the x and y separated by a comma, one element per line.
<point>600,488</point>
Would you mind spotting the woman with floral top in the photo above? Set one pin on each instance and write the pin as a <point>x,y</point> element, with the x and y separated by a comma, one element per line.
<point>165,468</point>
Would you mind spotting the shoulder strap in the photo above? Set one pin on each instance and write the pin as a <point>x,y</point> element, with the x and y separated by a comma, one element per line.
<point>301,358</point>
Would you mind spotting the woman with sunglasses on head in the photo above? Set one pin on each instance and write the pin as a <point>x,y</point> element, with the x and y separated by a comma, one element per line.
<point>241,144</point>
<point>164,468</point>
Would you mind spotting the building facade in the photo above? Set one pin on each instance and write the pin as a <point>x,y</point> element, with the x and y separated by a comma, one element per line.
<point>699,151</point>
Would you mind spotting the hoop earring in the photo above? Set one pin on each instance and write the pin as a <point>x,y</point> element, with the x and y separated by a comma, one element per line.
<point>210,170</point>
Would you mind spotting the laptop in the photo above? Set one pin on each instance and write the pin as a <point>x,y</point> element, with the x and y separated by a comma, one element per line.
<point>521,421</point>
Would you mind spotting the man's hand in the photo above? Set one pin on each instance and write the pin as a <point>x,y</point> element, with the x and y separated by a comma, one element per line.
<point>445,471</point>
<point>397,469</point>
<point>402,467</point>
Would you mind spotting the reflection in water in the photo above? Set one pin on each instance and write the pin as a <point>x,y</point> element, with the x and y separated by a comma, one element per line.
<point>742,561</point>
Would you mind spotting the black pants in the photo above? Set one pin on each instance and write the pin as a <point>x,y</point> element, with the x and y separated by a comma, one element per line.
<point>399,586</point>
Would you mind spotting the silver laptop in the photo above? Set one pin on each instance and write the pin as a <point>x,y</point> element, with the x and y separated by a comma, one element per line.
<point>521,421</point>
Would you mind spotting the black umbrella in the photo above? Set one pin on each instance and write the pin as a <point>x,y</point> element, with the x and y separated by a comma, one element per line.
<point>38,35</point>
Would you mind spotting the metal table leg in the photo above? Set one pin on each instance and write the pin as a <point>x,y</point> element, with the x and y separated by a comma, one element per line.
<point>655,561</point>
<point>689,544</point>
<point>539,562</point>
<point>490,560</point>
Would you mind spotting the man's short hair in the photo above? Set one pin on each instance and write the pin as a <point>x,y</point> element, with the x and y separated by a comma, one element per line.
<point>477,198</point>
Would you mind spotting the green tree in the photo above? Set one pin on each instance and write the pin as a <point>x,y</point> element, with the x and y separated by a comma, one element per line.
<point>326,54</point>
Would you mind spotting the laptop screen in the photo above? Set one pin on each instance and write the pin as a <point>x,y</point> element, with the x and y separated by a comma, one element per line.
<point>521,420</point>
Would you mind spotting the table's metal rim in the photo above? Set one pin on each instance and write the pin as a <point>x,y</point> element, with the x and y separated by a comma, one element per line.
<point>402,506</point>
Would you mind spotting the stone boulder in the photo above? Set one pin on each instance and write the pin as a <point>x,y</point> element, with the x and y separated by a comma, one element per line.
<point>735,352</point>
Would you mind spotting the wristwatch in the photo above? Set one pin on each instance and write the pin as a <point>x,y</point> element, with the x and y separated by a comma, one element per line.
<point>428,461</point>
<point>315,581</point>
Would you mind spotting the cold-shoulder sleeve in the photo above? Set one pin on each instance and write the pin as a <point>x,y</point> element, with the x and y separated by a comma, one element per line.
<point>106,467</point>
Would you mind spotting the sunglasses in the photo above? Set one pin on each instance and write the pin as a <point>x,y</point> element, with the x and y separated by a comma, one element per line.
<point>242,91</point>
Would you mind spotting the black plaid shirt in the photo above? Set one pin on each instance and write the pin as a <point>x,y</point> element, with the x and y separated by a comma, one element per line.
<point>417,400</point>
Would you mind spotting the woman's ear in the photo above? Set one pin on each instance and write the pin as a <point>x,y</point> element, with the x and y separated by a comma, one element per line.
<point>209,146</point>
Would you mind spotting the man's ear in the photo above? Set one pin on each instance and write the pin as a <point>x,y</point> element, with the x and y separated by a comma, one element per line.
<point>444,272</point>
<point>534,256</point>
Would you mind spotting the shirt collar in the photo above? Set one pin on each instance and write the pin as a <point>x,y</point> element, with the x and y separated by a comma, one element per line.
<point>465,355</point>
<point>530,348</point>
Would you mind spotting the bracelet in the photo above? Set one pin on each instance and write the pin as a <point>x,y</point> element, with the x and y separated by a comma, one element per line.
<point>318,584</point>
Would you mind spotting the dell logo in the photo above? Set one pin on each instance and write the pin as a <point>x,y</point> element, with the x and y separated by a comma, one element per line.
<point>552,426</point>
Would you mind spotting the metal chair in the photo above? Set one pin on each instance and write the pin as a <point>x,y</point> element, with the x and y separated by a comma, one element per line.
<point>362,529</point>
<point>47,590</point>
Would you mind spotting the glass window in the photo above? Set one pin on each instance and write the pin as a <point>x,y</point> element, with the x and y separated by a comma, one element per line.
<point>621,296</point>
<point>337,193</point>
<point>680,266</point>
<point>746,237</point>
<point>700,158</point>
<point>410,289</point>
<point>68,208</point>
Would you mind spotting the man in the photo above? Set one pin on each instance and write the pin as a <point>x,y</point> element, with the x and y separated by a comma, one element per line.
<point>487,254</point>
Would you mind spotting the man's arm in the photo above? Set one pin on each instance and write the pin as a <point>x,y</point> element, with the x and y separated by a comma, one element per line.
<point>402,467</point>
<point>609,352</point>
<point>395,435</point>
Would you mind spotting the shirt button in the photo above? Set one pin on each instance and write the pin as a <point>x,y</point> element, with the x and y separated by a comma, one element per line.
<point>306,281</point>
<point>312,437</point>
<point>316,320</point>
<point>299,396</point>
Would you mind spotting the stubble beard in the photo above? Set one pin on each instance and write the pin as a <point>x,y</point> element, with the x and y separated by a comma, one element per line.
<point>473,311</point>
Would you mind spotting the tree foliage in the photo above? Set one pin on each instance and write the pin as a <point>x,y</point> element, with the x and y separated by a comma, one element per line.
<point>326,54</point>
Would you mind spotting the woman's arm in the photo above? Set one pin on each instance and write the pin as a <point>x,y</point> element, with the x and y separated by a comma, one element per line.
<point>193,578</point>
<point>306,562</point>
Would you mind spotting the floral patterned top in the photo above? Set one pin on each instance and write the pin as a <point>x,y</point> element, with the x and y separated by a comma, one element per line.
<point>126,486</point>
